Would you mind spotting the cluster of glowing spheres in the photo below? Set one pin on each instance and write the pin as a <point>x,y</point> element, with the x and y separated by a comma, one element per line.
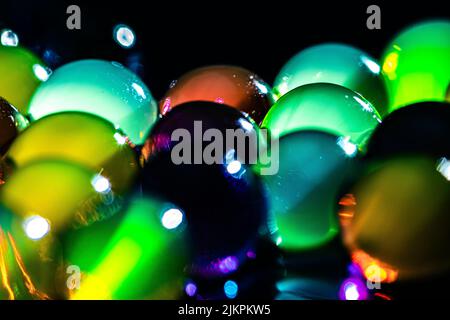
<point>82,138</point>
<point>335,63</point>
<point>313,167</point>
<point>133,255</point>
<point>12,122</point>
<point>401,215</point>
<point>416,64</point>
<point>324,107</point>
<point>106,89</point>
<point>229,85</point>
<point>22,72</point>
<point>64,193</point>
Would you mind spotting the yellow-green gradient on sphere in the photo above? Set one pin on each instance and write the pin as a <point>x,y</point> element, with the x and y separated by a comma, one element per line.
<point>106,89</point>
<point>64,193</point>
<point>339,64</point>
<point>137,254</point>
<point>78,137</point>
<point>324,107</point>
<point>402,215</point>
<point>30,256</point>
<point>417,64</point>
<point>21,73</point>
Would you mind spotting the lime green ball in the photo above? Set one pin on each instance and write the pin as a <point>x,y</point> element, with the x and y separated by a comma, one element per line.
<point>21,73</point>
<point>416,64</point>
<point>137,254</point>
<point>335,63</point>
<point>106,89</point>
<point>325,107</point>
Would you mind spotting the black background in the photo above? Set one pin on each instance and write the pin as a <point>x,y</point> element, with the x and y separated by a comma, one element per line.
<point>174,37</point>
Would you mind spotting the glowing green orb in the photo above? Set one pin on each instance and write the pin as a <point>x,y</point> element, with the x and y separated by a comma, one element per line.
<point>335,63</point>
<point>303,195</point>
<point>324,107</point>
<point>417,64</point>
<point>21,73</point>
<point>106,89</point>
<point>138,254</point>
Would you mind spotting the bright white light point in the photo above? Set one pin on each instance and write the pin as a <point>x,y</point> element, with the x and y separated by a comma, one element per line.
<point>372,65</point>
<point>9,38</point>
<point>101,184</point>
<point>172,218</point>
<point>262,88</point>
<point>444,168</point>
<point>120,138</point>
<point>139,90</point>
<point>349,148</point>
<point>351,292</point>
<point>365,105</point>
<point>41,72</point>
<point>234,167</point>
<point>36,227</point>
<point>279,240</point>
<point>246,124</point>
<point>124,36</point>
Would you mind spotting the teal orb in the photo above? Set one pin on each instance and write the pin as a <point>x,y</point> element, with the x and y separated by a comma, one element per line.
<point>325,107</point>
<point>106,89</point>
<point>339,64</point>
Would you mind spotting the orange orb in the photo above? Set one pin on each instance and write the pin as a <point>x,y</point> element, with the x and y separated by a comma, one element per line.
<point>230,85</point>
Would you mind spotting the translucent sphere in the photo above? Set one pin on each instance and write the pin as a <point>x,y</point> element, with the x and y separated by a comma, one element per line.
<point>339,64</point>
<point>324,107</point>
<point>133,255</point>
<point>79,137</point>
<point>417,65</point>
<point>106,89</point>
<point>313,168</point>
<point>22,72</point>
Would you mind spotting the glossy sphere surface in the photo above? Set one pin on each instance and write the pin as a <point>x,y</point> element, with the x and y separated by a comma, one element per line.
<point>335,63</point>
<point>303,195</point>
<point>416,64</point>
<point>233,86</point>
<point>79,137</point>
<point>21,72</point>
<point>418,129</point>
<point>28,263</point>
<point>106,89</point>
<point>324,107</point>
<point>224,208</point>
<point>63,193</point>
<point>401,215</point>
<point>12,122</point>
<point>138,254</point>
